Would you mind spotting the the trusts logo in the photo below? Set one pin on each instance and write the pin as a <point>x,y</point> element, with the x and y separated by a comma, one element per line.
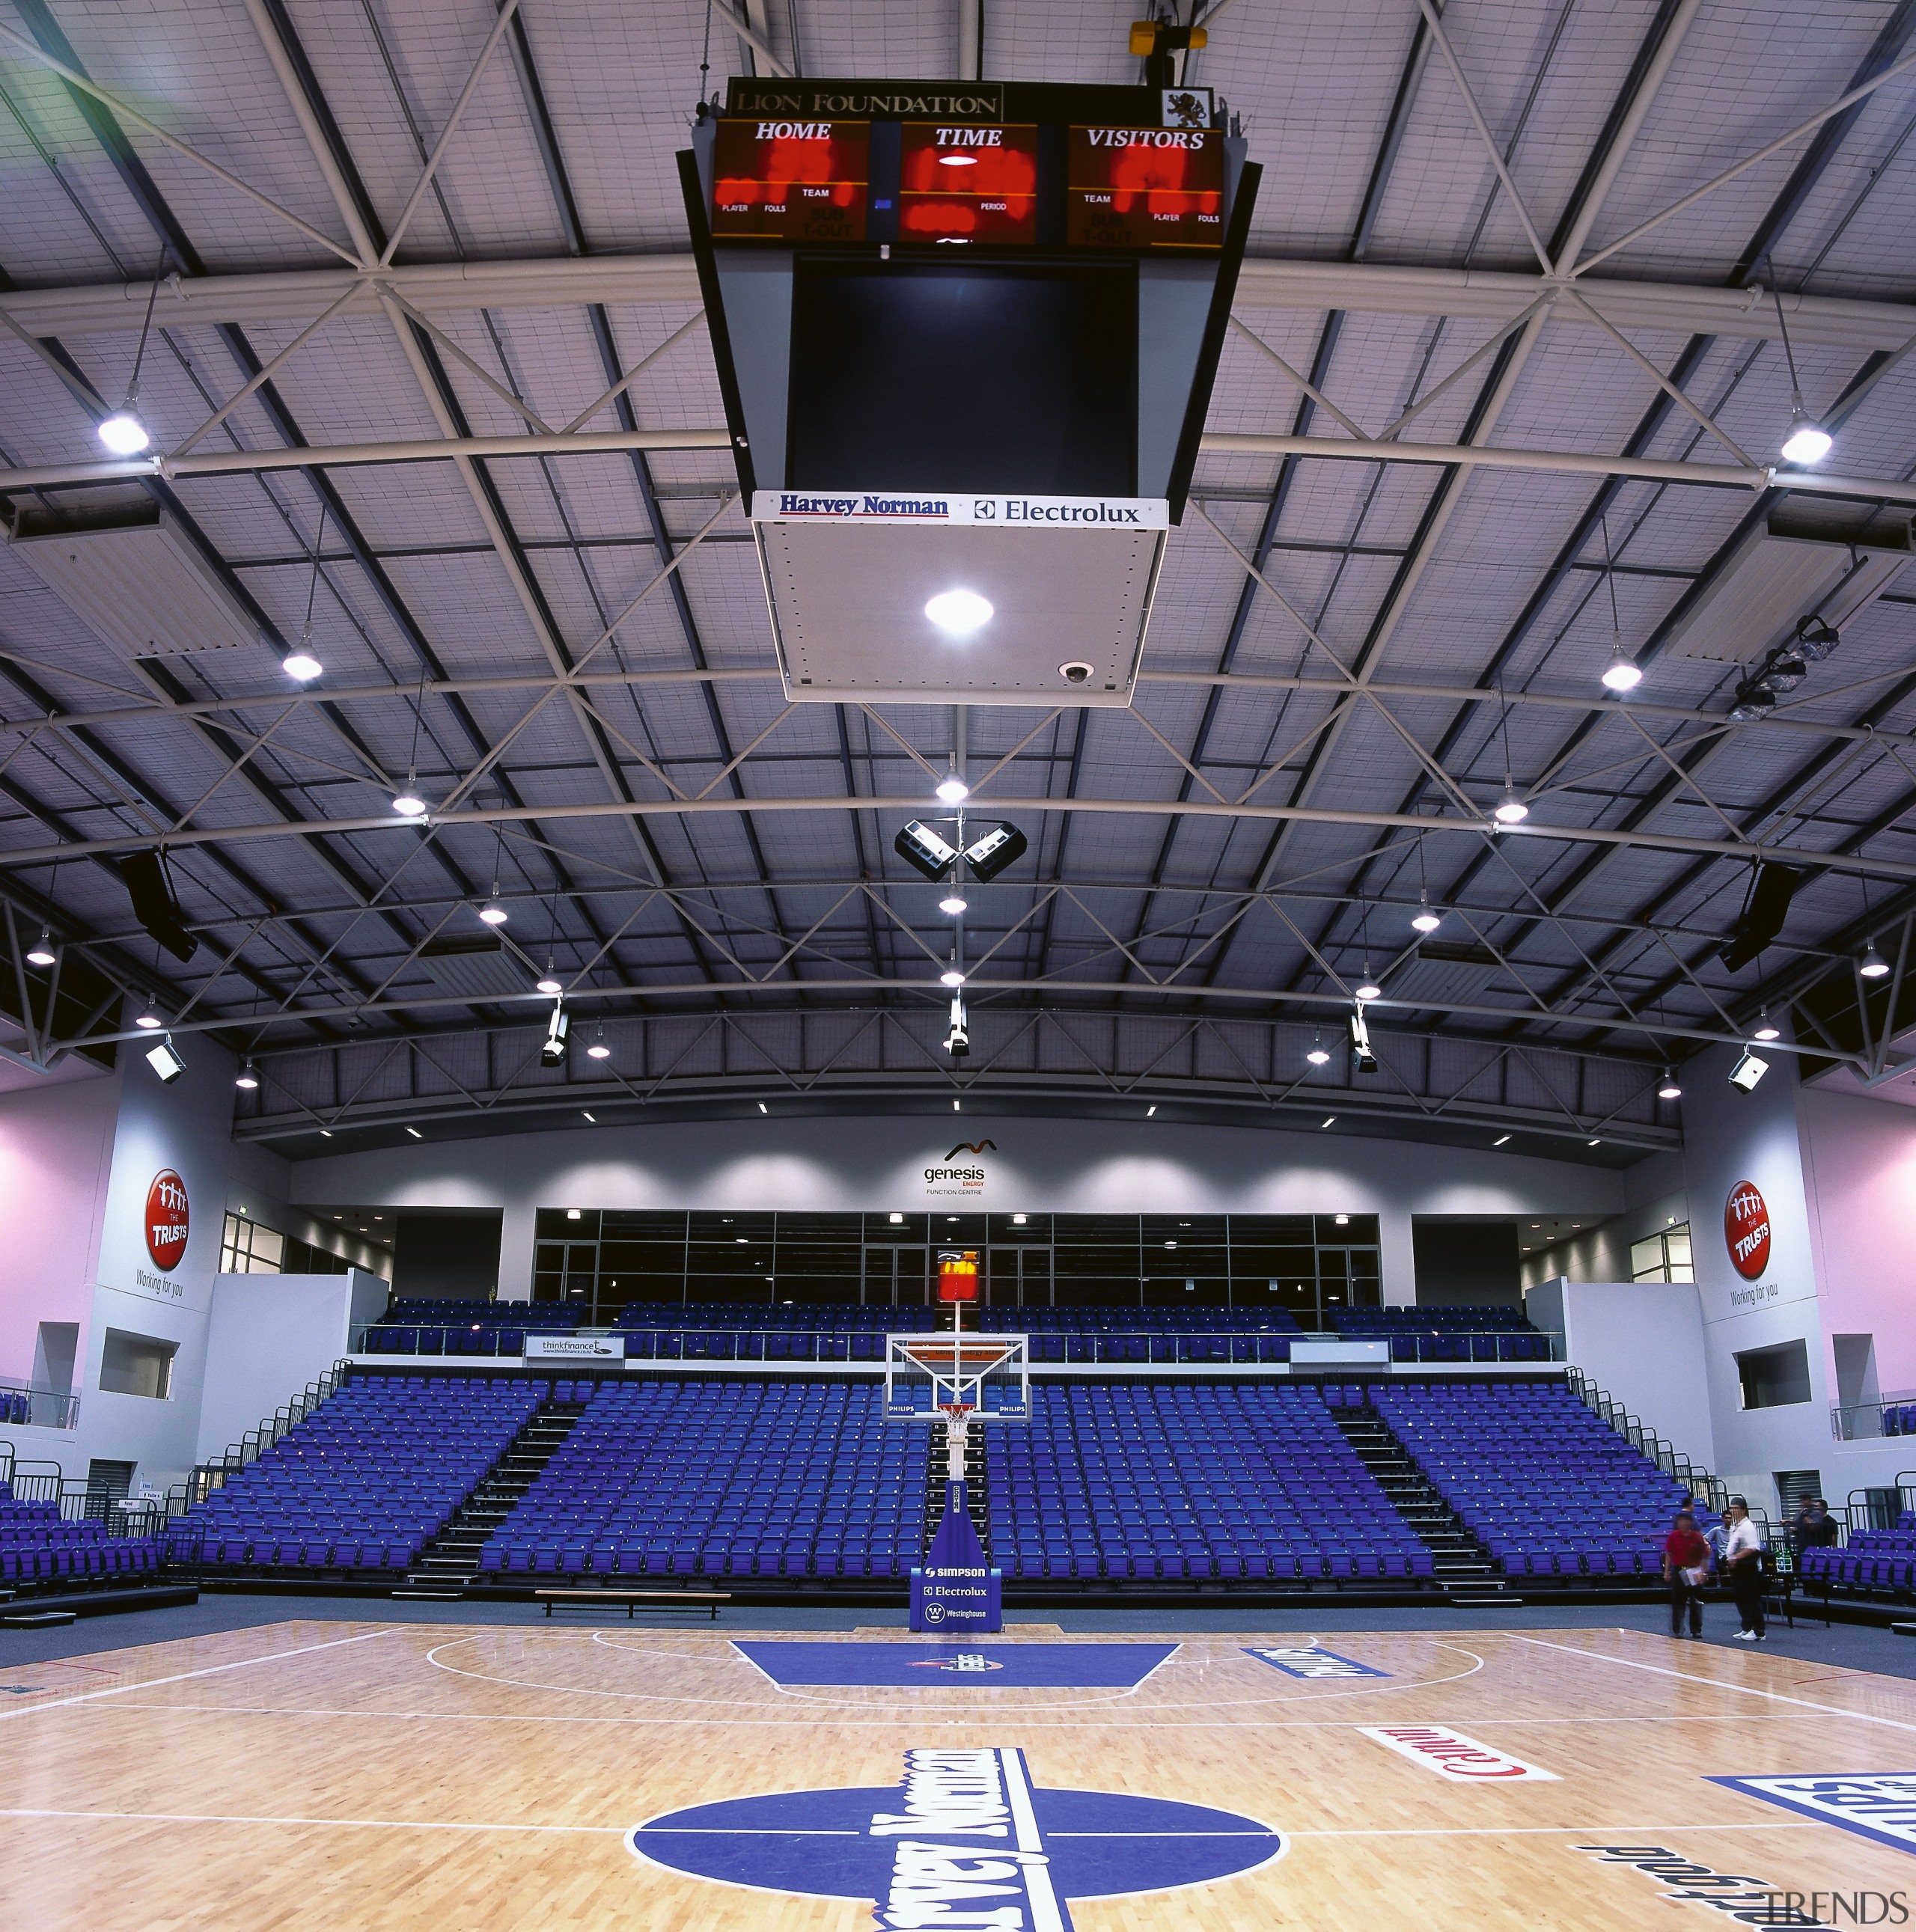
<point>1746,1230</point>
<point>167,1219</point>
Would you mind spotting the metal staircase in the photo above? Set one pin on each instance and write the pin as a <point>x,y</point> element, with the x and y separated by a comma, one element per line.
<point>1460,1564</point>
<point>451,1560</point>
<point>977,1498</point>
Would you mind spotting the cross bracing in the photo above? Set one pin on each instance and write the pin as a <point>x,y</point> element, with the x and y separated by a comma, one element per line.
<point>426,351</point>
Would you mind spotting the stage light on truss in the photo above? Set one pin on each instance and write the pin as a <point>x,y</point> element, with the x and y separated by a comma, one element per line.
<point>1747,1072</point>
<point>925,851</point>
<point>123,433</point>
<point>958,1038</point>
<point>1511,810</point>
<point>246,1079</point>
<point>40,952</point>
<point>554,1050</point>
<point>165,1062</point>
<point>1873,965</point>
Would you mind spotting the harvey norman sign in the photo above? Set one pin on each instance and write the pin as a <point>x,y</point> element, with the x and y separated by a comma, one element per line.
<point>907,506</point>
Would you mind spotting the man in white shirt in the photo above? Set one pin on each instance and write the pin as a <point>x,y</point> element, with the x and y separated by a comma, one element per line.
<point>1742,1557</point>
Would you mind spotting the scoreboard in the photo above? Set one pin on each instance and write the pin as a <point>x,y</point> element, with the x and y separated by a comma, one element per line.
<point>1004,166</point>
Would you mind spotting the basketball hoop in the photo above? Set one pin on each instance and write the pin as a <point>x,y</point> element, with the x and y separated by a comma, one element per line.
<point>955,1412</point>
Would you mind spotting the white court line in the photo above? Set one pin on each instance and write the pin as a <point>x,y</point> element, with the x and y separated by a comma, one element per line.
<point>349,1824</point>
<point>1538,1830</point>
<point>1721,1684</point>
<point>181,1677</point>
<point>1046,1915</point>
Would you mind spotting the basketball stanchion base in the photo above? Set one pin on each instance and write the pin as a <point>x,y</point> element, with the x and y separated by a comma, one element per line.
<point>957,1590</point>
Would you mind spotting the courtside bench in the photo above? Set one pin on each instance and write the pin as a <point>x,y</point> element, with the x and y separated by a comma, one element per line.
<point>633,1599</point>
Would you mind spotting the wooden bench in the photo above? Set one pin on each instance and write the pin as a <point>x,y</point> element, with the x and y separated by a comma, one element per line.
<point>633,1599</point>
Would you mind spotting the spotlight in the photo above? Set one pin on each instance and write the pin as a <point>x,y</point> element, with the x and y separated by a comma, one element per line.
<point>1669,1091</point>
<point>763,1108</point>
<point>1426,920</point>
<point>246,1078</point>
<point>1364,1060</point>
<point>953,789</point>
<point>598,1050</point>
<point>952,976</point>
<point>1001,845</point>
<point>1623,672</point>
<point>301,664</point>
<point>408,803</point>
<point>1814,639</point>
<point>1808,442</point>
<point>1151,1111</point>
<point>1511,810</point>
<point>959,612</point>
<point>1748,1070</point>
<point>1317,1057</point>
<point>1873,965</point>
<point>924,850</point>
<point>1753,701</point>
<point>40,952</point>
<point>958,1039</point>
<point>492,912</point>
<point>165,1062</point>
<point>554,1050</point>
<point>150,1020</point>
<point>125,435</point>
<point>952,902</point>
<point>418,1136</point>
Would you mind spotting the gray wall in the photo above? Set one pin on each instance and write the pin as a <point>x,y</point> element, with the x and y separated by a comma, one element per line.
<point>451,1256</point>
<point>1464,1264</point>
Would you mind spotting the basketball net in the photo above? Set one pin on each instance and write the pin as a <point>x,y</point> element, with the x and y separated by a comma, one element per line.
<point>957,1417</point>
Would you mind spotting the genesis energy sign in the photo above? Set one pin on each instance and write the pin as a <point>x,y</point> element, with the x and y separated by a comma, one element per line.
<point>167,1219</point>
<point>1746,1230</point>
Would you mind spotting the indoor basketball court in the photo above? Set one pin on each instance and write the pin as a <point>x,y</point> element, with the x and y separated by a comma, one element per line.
<point>957,964</point>
<point>382,1773</point>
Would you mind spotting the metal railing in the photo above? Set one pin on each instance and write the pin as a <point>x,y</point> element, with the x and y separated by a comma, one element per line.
<point>1891,1415</point>
<point>23,1406</point>
<point>77,1502</point>
<point>211,1474</point>
<point>1878,1508</point>
<point>783,1344</point>
<point>1712,1490</point>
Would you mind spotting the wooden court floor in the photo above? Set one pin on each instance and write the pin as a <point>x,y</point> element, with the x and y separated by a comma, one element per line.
<point>383,1774</point>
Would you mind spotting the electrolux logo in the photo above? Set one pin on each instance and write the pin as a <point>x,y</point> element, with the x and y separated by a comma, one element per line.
<point>964,1839</point>
<point>1746,1230</point>
<point>863,506</point>
<point>167,1219</point>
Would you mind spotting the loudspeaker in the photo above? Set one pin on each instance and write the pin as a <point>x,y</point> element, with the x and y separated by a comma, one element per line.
<point>144,875</point>
<point>1764,910</point>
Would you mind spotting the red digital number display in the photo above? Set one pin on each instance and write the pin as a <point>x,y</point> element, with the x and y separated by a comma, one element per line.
<point>791,181</point>
<point>967,183</point>
<point>1145,187</point>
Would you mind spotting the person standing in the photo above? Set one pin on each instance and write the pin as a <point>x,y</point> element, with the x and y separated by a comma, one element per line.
<point>1743,1557</point>
<point>1686,1567</point>
<point>1813,1528</point>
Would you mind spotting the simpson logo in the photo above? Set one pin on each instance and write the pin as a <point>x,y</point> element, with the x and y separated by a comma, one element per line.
<point>1307,1660</point>
<point>1746,1230</point>
<point>1452,1755</point>
<point>965,1839</point>
<point>1878,1804</point>
<point>167,1219</point>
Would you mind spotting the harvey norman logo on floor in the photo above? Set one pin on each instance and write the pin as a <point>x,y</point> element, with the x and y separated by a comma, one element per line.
<point>907,506</point>
<point>1452,1755</point>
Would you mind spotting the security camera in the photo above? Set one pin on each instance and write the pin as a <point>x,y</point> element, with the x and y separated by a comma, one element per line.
<point>1074,674</point>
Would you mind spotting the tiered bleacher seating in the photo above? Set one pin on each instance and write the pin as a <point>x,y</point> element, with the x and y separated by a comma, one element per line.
<point>1189,1483</point>
<point>37,1546</point>
<point>723,1479</point>
<point>366,1480</point>
<point>1546,1485</point>
<point>465,1327</point>
<point>1899,1418</point>
<point>1463,1334</point>
<point>1873,1560</point>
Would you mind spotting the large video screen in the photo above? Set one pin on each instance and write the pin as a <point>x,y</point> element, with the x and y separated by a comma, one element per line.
<point>955,375</point>
<point>802,182</point>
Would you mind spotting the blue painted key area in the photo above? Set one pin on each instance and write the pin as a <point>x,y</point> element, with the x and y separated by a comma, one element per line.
<point>1023,1666</point>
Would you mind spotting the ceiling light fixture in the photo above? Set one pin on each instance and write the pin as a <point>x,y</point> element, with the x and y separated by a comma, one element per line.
<point>1499,1140</point>
<point>1367,988</point>
<point>1623,672</point>
<point>40,952</point>
<point>407,802</point>
<point>1511,810</point>
<point>1669,1091</point>
<point>1808,441</point>
<point>896,1220</point>
<point>492,912</point>
<point>246,1078</point>
<point>598,1050</point>
<point>150,1020</point>
<point>959,612</point>
<point>763,1108</point>
<point>551,983</point>
<point>1764,1030</point>
<point>165,1062</point>
<point>301,665</point>
<point>953,789</point>
<point>1426,920</point>
<point>952,902</point>
<point>952,976</point>
<point>123,433</point>
<point>1330,1121</point>
<point>1873,965</point>
<point>1150,1110</point>
<point>415,1132</point>
<point>955,1109</point>
<point>1317,1057</point>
